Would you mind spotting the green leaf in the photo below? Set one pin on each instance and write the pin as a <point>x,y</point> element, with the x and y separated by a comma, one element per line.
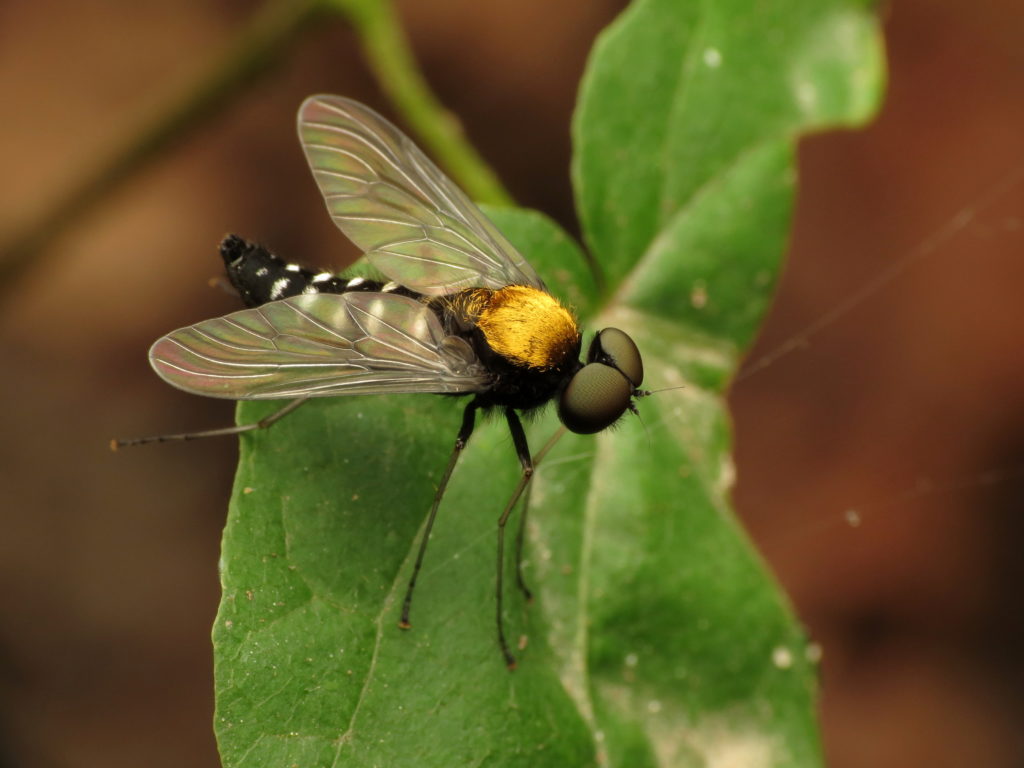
<point>676,95</point>
<point>656,637</point>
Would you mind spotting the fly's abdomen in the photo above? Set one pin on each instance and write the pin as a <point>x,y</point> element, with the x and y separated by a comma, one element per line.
<point>261,276</point>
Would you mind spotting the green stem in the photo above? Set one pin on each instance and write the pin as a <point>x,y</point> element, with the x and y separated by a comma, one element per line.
<point>267,36</point>
<point>254,50</point>
<point>390,57</point>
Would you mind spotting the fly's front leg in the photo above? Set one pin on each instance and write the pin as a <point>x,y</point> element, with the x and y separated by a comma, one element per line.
<point>520,537</point>
<point>523,452</point>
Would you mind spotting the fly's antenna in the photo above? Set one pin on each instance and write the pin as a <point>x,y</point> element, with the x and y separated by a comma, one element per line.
<point>647,430</point>
<point>649,392</point>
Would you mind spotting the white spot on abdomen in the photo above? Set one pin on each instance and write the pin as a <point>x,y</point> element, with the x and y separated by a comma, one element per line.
<point>278,287</point>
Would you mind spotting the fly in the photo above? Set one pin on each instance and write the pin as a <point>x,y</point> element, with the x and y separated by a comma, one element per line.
<point>462,313</point>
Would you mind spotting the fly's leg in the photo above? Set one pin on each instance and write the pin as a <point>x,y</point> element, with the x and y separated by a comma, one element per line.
<point>263,423</point>
<point>468,420</point>
<point>520,535</point>
<point>523,452</point>
<point>528,464</point>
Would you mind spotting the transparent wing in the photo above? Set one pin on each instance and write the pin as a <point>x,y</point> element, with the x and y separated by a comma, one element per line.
<point>414,224</point>
<point>319,345</point>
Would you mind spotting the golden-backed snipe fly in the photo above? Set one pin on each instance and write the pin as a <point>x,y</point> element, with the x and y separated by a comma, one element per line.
<point>463,313</point>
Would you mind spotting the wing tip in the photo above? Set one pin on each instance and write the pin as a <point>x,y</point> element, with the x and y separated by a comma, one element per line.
<point>167,359</point>
<point>326,102</point>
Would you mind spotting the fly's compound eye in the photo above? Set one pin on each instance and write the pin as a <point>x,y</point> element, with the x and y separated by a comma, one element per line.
<point>616,349</point>
<point>596,396</point>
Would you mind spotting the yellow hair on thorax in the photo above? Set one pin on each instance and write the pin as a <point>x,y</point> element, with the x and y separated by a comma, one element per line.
<point>526,325</point>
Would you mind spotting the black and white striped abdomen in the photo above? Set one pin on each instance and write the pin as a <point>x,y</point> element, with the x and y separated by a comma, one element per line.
<point>260,276</point>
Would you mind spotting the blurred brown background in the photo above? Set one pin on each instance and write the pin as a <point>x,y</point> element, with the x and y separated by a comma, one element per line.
<point>909,410</point>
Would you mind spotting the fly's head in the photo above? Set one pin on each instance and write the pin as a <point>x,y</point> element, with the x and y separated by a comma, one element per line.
<point>603,388</point>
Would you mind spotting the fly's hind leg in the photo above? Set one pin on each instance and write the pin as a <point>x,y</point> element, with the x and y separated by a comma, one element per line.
<point>263,423</point>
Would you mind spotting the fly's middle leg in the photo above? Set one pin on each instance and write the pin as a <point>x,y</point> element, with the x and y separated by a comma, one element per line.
<point>468,420</point>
